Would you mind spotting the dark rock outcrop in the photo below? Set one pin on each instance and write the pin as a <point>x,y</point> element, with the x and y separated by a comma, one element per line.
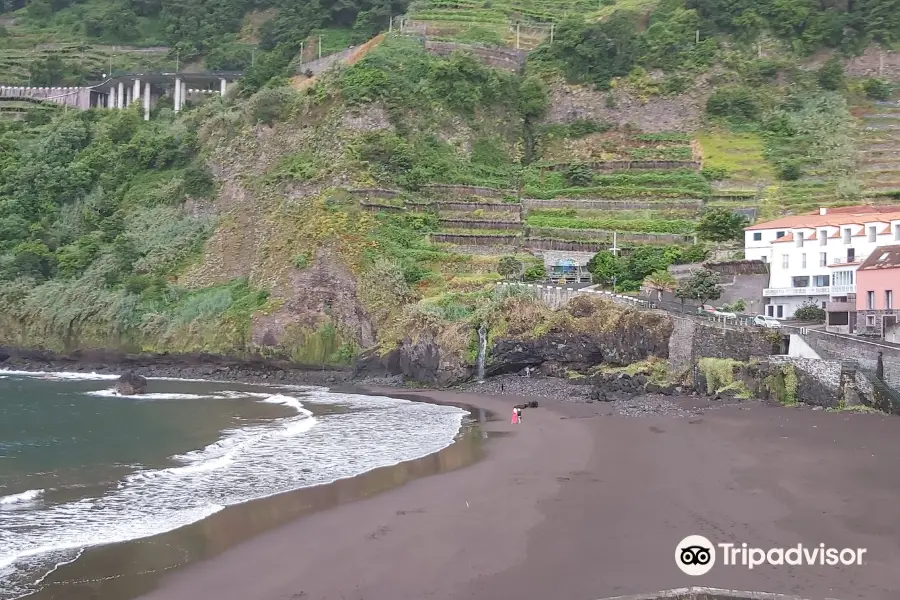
<point>420,360</point>
<point>576,351</point>
<point>131,384</point>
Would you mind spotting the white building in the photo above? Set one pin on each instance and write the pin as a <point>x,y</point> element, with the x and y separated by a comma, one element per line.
<point>814,257</point>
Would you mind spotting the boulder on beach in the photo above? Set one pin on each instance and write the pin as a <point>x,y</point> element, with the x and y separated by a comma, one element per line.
<point>130,384</point>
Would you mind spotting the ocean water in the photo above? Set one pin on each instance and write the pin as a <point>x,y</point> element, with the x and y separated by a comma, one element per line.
<point>81,466</point>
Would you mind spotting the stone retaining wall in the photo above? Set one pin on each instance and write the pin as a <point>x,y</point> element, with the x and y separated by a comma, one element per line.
<point>865,352</point>
<point>625,204</point>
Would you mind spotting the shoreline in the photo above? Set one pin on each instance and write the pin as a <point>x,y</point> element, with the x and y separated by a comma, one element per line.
<point>178,366</point>
<point>582,503</point>
<point>125,570</point>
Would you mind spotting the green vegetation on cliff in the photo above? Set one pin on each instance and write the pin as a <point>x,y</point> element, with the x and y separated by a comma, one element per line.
<point>232,229</point>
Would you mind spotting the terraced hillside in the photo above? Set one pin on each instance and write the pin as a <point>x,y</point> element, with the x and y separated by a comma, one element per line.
<point>879,144</point>
<point>522,23</point>
<point>73,63</point>
<point>587,191</point>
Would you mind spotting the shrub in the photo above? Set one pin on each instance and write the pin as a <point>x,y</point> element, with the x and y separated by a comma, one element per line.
<point>271,104</point>
<point>510,267</point>
<point>831,75</point>
<point>198,181</point>
<point>734,102</point>
<point>535,272</point>
<point>721,224</point>
<point>579,175</point>
<point>810,311</point>
<point>789,170</point>
<point>877,89</point>
<point>714,173</point>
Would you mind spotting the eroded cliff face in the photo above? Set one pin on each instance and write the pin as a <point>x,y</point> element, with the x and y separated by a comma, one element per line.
<point>585,333</point>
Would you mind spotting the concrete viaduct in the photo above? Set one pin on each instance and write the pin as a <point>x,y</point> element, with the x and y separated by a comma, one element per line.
<point>123,90</point>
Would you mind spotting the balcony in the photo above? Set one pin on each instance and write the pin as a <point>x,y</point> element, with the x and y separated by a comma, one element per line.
<point>797,291</point>
<point>843,290</point>
<point>843,262</point>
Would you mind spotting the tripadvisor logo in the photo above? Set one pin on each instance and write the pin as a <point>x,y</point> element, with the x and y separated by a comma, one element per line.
<point>696,555</point>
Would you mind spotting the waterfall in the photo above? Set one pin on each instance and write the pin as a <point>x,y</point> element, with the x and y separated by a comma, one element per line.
<point>482,350</point>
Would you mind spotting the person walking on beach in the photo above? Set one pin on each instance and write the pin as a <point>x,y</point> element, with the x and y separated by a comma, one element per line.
<point>515,416</point>
<point>519,415</point>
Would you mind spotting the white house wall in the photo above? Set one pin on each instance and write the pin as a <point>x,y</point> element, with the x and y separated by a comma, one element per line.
<point>782,291</point>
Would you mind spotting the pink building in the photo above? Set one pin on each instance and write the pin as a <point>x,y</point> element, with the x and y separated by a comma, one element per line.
<point>877,287</point>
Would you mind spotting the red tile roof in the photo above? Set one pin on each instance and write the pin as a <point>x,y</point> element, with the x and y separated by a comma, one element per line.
<point>859,216</point>
<point>891,259</point>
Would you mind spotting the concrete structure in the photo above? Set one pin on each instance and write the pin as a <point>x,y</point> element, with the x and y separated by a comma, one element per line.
<point>878,280</point>
<point>814,257</point>
<point>567,267</point>
<point>123,90</point>
<point>740,280</point>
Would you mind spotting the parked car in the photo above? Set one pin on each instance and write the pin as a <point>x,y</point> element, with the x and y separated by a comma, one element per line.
<point>767,322</point>
<point>705,310</point>
<point>726,314</point>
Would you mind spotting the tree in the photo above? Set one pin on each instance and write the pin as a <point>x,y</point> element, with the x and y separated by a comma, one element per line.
<point>510,267</point>
<point>683,292</point>
<point>810,311</point>
<point>702,285</point>
<point>831,75</point>
<point>606,267</point>
<point>721,225</point>
<point>660,281</point>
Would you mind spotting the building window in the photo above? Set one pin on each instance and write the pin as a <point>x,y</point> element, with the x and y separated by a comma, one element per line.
<point>803,260</point>
<point>821,280</point>
<point>764,258</point>
<point>779,311</point>
<point>823,237</point>
<point>785,261</point>
<point>870,320</point>
<point>823,259</point>
<point>870,300</point>
<point>871,233</point>
<point>897,233</point>
<point>770,310</point>
<point>800,236</point>
<point>888,299</point>
<point>843,278</point>
<point>846,235</point>
<point>757,236</point>
<point>851,254</point>
<point>799,282</point>
<point>779,234</point>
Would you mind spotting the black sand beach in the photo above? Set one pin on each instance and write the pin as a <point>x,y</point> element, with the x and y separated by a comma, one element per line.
<point>582,504</point>
<point>576,503</point>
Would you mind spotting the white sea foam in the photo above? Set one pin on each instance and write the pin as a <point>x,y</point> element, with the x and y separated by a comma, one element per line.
<point>22,498</point>
<point>112,393</point>
<point>60,376</point>
<point>244,464</point>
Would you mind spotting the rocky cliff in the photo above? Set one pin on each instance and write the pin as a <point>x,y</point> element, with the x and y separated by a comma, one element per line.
<point>570,342</point>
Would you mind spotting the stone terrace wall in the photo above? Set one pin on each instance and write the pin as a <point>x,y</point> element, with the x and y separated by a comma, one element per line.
<point>818,381</point>
<point>633,165</point>
<point>626,204</point>
<point>499,58</point>
<point>692,340</point>
<point>864,352</point>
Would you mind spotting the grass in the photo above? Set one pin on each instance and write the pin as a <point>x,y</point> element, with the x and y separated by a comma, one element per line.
<point>740,154</point>
<point>553,219</point>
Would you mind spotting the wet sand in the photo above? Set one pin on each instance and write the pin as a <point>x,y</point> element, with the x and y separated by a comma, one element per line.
<point>579,504</point>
